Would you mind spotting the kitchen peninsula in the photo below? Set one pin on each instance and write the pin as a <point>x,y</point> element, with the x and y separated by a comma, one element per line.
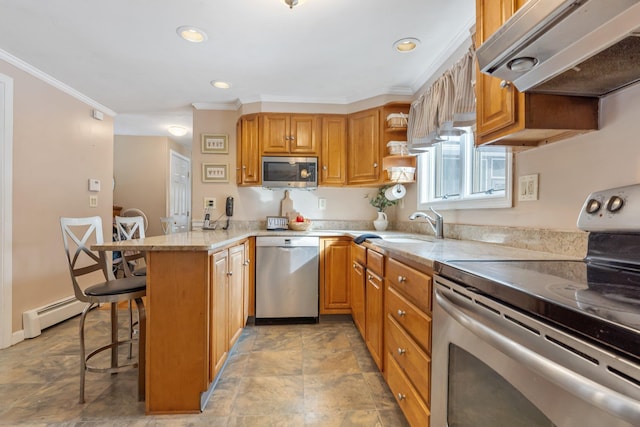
<point>199,294</point>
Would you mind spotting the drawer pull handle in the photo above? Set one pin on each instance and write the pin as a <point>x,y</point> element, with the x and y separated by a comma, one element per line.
<point>230,273</point>
<point>401,351</point>
<point>370,277</point>
<point>401,279</point>
<point>401,313</point>
<point>401,396</point>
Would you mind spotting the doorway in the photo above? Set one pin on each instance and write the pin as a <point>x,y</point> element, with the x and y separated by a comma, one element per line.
<point>6,222</point>
<point>180,192</point>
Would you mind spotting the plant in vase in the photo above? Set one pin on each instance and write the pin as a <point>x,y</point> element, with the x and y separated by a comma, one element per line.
<point>381,203</point>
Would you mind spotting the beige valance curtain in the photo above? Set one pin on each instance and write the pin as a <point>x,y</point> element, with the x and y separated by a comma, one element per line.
<point>450,101</point>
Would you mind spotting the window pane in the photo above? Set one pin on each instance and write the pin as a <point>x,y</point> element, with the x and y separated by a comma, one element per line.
<point>489,168</point>
<point>448,169</point>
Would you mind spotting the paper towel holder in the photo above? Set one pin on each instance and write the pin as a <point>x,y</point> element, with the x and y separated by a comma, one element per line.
<point>395,192</point>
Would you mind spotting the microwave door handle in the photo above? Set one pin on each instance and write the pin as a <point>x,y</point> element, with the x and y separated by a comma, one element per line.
<point>598,395</point>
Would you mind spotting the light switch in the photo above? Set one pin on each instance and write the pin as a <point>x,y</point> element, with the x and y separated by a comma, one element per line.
<point>93,201</point>
<point>528,187</point>
<point>322,203</point>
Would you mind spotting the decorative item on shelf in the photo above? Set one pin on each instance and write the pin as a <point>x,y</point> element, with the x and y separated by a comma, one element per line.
<point>401,173</point>
<point>397,120</point>
<point>397,148</point>
<point>381,202</point>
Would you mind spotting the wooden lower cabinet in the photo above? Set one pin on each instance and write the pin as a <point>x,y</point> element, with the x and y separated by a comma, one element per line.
<point>227,304</point>
<point>407,337</point>
<point>335,294</point>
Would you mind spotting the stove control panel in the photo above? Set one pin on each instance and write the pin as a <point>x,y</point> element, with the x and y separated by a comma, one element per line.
<point>613,210</point>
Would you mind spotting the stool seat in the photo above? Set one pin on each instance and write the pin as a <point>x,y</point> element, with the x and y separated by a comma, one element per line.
<point>118,286</point>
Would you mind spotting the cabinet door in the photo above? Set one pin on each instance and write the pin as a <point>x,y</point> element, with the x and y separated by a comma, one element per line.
<point>302,135</point>
<point>275,133</point>
<point>497,103</point>
<point>357,282</point>
<point>249,151</point>
<point>218,327</point>
<point>374,317</point>
<point>334,276</point>
<point>333,151</point>
<point>235,293</point>
<point>363,150</point>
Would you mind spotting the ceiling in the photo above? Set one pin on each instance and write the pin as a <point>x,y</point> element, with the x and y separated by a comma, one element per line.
<point>127,57</point>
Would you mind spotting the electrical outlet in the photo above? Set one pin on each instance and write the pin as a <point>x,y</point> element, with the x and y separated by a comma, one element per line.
<point>93,201</point>
<point>322,203</point>
<point>210,202</point>
<point>528,187</point>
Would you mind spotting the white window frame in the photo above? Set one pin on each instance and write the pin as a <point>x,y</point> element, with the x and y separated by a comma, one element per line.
<point>466,200</point>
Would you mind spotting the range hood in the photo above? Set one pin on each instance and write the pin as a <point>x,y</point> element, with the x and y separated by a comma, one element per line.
<point>568,47</point>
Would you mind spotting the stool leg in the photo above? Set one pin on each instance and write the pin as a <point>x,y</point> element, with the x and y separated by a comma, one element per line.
<point>130,330</point>
<point>142,342</point>
<point>83,361</point>
<point>114,334</point>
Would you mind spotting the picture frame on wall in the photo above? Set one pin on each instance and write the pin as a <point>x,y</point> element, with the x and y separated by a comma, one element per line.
<point>214,143</point>
<point>215,172</point>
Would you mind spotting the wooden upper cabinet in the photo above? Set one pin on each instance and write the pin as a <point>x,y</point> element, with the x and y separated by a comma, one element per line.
<point>289,134</point>
<point>333,151</point>
<point>506,116</point>
<point>248,151</point>
<point>364,153</point>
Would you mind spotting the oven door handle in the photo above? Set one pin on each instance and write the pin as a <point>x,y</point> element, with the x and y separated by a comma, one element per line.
<point>598,395</point>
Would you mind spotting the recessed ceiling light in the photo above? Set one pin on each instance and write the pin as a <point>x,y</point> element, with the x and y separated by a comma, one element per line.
<point>176,130</point>
<point>220,85</point>
<point>292,3</point>
<point>406,45</point>
<point>191,34</point>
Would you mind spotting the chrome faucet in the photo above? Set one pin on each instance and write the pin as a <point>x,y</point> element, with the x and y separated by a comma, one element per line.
<point>437,224</point>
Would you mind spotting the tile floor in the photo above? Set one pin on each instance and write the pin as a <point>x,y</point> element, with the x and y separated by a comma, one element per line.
<point>294,375</point>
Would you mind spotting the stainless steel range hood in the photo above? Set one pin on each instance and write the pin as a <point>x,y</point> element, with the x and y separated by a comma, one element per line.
<point>571,47</point>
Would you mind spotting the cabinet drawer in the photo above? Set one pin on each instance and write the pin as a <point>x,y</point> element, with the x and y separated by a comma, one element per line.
<point>413,361</point>
<point>412,319</point>
<point>414,284</point>
<point>375,262</point>
<point>413,407</point>
<point>359,253</point>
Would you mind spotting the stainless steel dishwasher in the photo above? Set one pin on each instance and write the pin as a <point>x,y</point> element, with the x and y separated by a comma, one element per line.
<point>287,279</point>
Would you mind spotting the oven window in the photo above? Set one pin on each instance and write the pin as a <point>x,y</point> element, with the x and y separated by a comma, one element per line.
<point>480,397</point>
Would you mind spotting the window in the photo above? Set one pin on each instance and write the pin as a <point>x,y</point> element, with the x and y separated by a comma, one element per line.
<point>454,174</point>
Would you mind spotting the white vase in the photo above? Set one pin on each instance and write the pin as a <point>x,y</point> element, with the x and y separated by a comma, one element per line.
<point>381,222</point>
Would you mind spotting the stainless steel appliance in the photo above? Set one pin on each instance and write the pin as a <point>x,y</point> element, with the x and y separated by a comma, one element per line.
<point>290,172</point>
<point>544,343</point>
<point>287,279</point>
<point>573,47</point>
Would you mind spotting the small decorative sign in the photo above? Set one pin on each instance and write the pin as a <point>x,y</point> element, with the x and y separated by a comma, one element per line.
<point>215,144</point>
<point>215,172</point>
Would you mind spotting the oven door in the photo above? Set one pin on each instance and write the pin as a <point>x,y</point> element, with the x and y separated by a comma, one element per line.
<point>494,366</point>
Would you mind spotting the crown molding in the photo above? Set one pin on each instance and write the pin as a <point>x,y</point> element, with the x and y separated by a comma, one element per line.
<point>226,106</point>
<point>41,75</point>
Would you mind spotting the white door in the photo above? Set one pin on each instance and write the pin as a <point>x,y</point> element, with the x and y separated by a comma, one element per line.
<point>6,224</point>
<point>180,192</point>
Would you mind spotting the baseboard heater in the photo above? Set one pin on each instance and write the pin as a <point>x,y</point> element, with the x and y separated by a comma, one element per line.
<point>34,321</point>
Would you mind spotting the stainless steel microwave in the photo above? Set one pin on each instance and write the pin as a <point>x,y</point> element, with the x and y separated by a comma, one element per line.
<point>290,172</point>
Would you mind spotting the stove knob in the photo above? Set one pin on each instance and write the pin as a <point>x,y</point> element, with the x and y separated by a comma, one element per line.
<point>614,204</point>
<point>593,206</point>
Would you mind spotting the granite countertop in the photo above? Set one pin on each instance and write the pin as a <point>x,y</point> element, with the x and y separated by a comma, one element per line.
<point>424,250</point>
